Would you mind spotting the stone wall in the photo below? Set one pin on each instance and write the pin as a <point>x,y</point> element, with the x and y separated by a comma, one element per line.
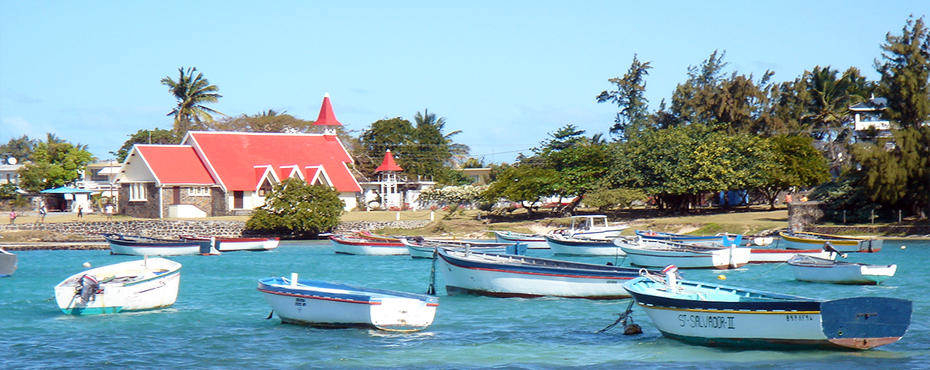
<point>92,231</point>
<point>804,214</point>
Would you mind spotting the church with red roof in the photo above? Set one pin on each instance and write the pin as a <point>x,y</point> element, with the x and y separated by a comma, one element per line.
<point>214,173</point>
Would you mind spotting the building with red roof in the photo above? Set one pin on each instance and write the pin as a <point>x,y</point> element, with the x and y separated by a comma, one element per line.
<point>215,173</point>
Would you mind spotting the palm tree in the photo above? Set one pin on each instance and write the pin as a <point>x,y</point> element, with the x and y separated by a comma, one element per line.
<point>192,93</point>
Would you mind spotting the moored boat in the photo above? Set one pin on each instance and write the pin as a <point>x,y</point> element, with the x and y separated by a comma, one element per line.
<point>845,244</point>
<point>683,238</point>
<point>719,315</point>
<point>144,284</point>
<point>143,246</point>
<point>224,244</point>
<point>532,241</point>
<point>657,253</point>
<point>821,270</point>
<point>426,248</point>
<point>522,276</point>
<point>592,226</point>
<point>325,304</point>
<point>7,263</point>
<point>360,244</point>
<point>577,246</point>
<point>778,255</point>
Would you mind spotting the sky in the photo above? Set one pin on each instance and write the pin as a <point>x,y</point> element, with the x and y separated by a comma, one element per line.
<point>504,73</point>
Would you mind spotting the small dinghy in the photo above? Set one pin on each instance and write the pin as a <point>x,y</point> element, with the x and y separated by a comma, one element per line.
<point>366,244</point>
<point>822,270</point>
<point>134,245</point>
<point>324,304</point>
<point>7,263</point>
<point>658,253</point>
<point>224,244</point>
<point>144,284</point>
<point>718,315</point>
<point>426,248</point>
<point>532,241</point>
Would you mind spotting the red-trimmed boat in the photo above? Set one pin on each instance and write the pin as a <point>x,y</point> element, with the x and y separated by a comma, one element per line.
<point>224,244</point>
<point>367,244</point>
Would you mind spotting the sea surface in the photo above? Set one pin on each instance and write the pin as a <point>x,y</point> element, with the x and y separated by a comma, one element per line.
<point>219,320</point>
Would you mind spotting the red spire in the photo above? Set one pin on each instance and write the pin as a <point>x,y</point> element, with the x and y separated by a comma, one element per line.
<point>327,117</point>
<point>388,163</point>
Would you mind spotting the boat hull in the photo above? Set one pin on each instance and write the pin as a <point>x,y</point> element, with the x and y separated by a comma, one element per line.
<point>138,246</point>
<point>567,246</point>
<point>827,271</point>
<point>237,244</point>
<point>322,304</point>
<point>528,277</point>
<point>661,254</point>
<point>427,248</point>
<point>7,263</point>
<point>844,244</point>
<point>531,241</point>
<point>372,247</point>
<point>155,286</point>
<point>769,255</point>
<point>785,322</point>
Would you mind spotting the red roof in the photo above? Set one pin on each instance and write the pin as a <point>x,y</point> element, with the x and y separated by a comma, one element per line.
<point>175,164</point>
<point>388,163</point>
<point>233,157</point>
<point>326,117</point>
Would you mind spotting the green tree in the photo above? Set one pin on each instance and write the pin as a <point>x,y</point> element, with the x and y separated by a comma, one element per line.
<point>394,134</point>
<point>526,184</point>
<point>192,93</point>
<point>787,161</point>
<point>156,136</point>
<point>20,148</point>
<point>299,209</point>
<point>267,121</point>
<point>905,80</point>
<point>55,163</point>
<point>630,96</point>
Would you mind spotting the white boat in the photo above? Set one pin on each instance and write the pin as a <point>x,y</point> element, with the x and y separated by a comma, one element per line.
<point>578,246</point>
<point>359,244</point>
<point>592,226</point>
<point>144,284</point>
<point>143,246</point>
<point>820,270</point>
<point>719,315</point>
<point>324,304</point>
<point>777,255</point>
<point>426,248</point>
<point>7,263</point>
<point>520,276</point>
<point>532,241</point>
<point>224,244</point>
<point>659,253</point>
<point>845,244</point>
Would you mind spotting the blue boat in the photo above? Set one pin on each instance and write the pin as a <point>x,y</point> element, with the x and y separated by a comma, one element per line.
<point>718,315</point>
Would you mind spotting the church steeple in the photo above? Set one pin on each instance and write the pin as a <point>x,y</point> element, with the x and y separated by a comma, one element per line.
<point>327,118</point>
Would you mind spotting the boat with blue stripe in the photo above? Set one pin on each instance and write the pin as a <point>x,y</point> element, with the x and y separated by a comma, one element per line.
<point>335,305</point>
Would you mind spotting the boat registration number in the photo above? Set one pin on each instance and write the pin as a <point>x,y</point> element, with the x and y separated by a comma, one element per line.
<point>300,302</point>
<point>802,317</point>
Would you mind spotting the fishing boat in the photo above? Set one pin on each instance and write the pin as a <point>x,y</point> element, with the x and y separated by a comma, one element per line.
<point>658,253</point>
<point>592,226</point>
<point>7,263</point>
<point>426,248</point>
<point>779,255</point>
<point>719,315</point>
<point>145,284</point>
<point>324,304</point>
<point>845,244</point>
<point>579,246</point>
<point>224,244</point>
<point>821,270</point>
<point>144,246</point>
<point>682,238</point>
<point>467,272</point>
<point>532,241</point>
<point>361,244</point>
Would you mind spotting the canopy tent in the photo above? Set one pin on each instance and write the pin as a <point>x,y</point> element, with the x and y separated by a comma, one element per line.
<point>66,190</point>
<point>70,200</point>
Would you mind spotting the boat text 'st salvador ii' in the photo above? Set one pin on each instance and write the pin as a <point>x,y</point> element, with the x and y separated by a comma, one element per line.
<point>324,304</point>
<point>718,315</point>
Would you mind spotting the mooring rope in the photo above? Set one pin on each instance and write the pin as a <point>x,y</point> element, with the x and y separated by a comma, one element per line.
<point>629,326</point>
<point>432,273</point>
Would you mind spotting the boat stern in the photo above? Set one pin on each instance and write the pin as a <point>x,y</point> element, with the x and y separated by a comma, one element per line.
<point>865,322</point>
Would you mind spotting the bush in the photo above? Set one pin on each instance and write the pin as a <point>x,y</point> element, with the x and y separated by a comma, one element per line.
<point>297,208</point>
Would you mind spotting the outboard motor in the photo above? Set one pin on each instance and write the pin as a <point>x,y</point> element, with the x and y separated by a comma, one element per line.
<point>88,288</point>
<point>671,278</point>
<point>827,246</point>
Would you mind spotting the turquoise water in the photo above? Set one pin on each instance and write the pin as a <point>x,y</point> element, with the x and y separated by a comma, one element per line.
<point>219,320</point>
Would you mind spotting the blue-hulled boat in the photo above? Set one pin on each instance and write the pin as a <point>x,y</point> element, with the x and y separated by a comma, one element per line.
<point>325,304</point>
<point>521,276</point>
<point>718,315</point>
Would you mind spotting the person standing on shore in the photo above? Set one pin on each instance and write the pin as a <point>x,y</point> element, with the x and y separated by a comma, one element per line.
<point>12,216</point>
<point>42,212</point>
<point>80,212</point>
<point>109,210</point>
